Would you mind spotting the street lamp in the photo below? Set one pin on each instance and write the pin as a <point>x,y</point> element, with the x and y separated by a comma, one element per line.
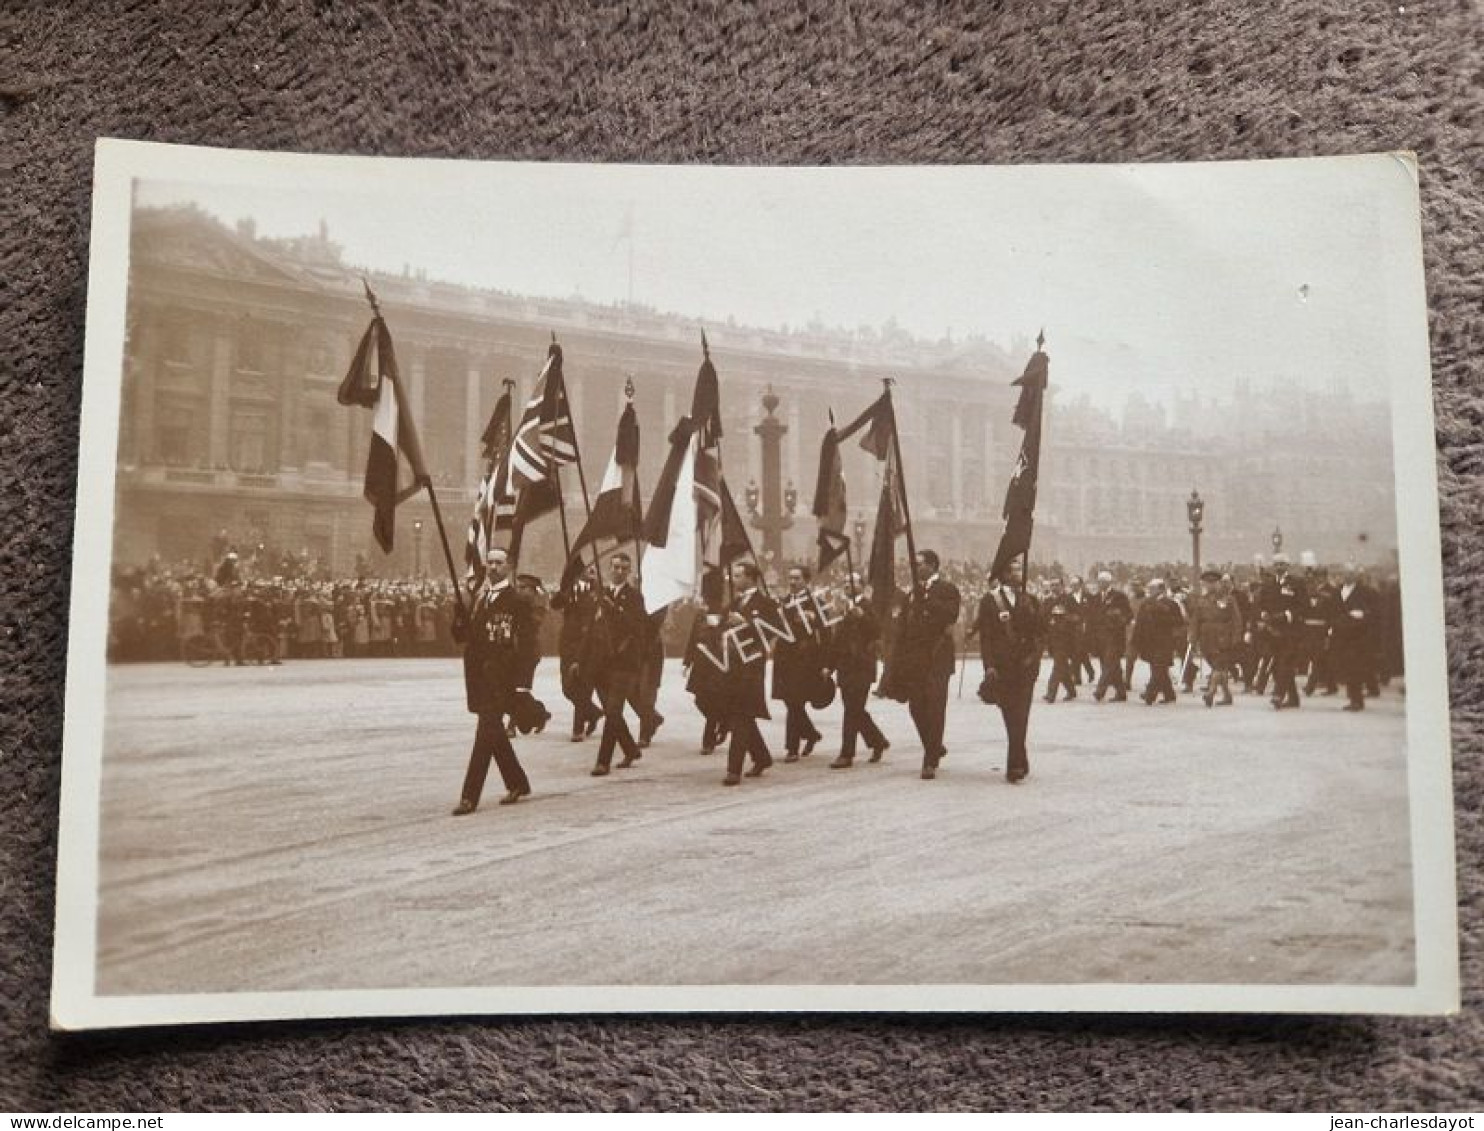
<point>417,547</point>
<point>860,541</point>
<point>1277,540</point>
<point>1195,510</point>
<point>790,498</point>
<point>752,495</point>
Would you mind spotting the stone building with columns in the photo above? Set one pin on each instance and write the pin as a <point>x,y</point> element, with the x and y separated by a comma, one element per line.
<point>236,345</point>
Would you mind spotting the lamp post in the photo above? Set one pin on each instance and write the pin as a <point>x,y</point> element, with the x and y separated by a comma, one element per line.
<point>417,547</point>
<point>1277,540</point>
<point>1195,510</point>
<point>860,542</point>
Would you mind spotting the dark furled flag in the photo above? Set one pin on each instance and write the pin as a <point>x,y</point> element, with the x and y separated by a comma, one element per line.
<point>373,382</point>
<point>705,415</point>
<point>829,501</point>
<point>1020,497</point>
<point>877,421</point>
<point>891,520</point>
<point>616,511</point>
<point>486,518</point>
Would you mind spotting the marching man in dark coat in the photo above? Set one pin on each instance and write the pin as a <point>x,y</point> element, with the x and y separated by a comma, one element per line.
<point>619,642</point>
<point>1010,644</point>
<point>798,665</point>
<point>499,646</point>
<point>925,655</point>
<point>1155,628</point>
<point>1356,615</point>
<point>854,648</point>
<point>746,664</point>
<point>1288,601</point>
<point>1063,629</point>
<point>579,606</point>
<point>1214,632</point>
<point>1108,617</point>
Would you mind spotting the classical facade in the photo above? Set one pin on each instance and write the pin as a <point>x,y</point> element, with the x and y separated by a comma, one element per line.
<point>236,345</point>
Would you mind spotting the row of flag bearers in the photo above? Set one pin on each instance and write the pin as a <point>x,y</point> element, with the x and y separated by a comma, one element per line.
<point>627,565</point>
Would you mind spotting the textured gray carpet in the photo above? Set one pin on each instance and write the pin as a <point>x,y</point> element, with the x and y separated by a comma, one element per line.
<point>856,81</point>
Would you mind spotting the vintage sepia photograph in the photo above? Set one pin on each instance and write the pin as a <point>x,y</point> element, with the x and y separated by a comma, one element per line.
<point>512,588</point>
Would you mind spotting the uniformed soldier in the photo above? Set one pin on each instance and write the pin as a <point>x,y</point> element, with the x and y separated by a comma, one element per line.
<point>1288,602</point>
<point>1082,655</point>
<point>746,672</point>
<point>499,642</point>
<point>1108,618</point>
<point>854,649</point>
<point>1215,628</point>
<point>1155,630</point>
<point>799,664</point>
<point>579,607</point>
<point>620,629</point>
<point>1061,628</point>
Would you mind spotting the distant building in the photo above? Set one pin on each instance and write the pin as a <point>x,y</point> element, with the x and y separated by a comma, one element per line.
<point>236,344</point>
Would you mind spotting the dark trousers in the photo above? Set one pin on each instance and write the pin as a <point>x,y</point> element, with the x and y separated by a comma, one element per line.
<point>648,694</point>
<point>578,689</point>
<point>622,687</point>
<point>747,741</point>
<point>1321,670</point>
<point>1285,673</point>
<point>713,733</point>
<point>798,727</point>
<point>491,742</point>
<point>1063,673</point>
<point>1111,678</point>
<point>929,709</point>
<point>1013,693</point>
<point>1159,683</point>
<point>858,722</point>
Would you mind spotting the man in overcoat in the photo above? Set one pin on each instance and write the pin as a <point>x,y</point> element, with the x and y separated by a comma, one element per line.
<point>925,655</point>
<point>1010,645</point>
<point>499,644</point>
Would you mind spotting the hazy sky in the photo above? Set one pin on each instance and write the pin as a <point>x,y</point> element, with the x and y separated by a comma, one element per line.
<point>1153,278</point>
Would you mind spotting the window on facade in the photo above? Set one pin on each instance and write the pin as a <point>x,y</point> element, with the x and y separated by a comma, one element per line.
<point>249,440</point>
<point>175,433</point>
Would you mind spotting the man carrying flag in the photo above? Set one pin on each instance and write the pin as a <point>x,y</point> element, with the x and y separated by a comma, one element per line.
<point>1009,620</point>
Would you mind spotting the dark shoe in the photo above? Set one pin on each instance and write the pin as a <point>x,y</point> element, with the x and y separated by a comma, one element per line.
<point>629,761</point>
<point>1049,698</point>
<point>1168,699</point>
<point>929,773</point>
<point>842,763</point>
<point>1016,779</point>
<point>600,771</point>
<point>731,779</point>
<point>1098,695</point>
<point>808,747</point>
<point>757,771</point>
<point>877,751</point>
<point>643,742</point>
<point>465,807</point>
<point>1121,697</point>
<point>1208,699</point>
<point>514,795</point>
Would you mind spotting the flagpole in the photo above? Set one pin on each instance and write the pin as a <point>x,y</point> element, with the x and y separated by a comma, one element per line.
<point>425,479</point>
<point>587,506</point>
<point>901,484</point>
<point>721,476</point>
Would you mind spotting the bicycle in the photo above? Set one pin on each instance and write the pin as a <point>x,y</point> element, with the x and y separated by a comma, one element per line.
<point>205,648</point>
